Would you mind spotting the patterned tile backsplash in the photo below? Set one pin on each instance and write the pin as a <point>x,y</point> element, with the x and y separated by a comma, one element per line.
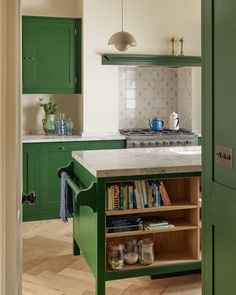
<point>149,92</point>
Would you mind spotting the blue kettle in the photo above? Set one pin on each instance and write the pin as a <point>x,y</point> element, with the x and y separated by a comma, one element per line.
<point>156,124</point>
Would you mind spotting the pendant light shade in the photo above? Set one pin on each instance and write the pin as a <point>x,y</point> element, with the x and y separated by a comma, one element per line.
<point>122,40</point>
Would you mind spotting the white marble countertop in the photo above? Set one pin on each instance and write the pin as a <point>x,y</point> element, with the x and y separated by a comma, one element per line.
<point>41,138</point>
<point>128,162</point>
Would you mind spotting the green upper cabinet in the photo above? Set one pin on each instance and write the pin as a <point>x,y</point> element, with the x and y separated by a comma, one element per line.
<point>51,55</point>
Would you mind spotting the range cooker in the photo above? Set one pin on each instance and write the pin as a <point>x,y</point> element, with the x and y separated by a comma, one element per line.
<point>137,138</point>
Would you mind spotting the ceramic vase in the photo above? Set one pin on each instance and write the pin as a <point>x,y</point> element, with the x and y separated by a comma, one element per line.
<point>49,124</point>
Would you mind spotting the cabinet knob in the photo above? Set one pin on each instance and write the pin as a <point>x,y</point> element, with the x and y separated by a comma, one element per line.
<point>61,148</point>
<point>28,58</point>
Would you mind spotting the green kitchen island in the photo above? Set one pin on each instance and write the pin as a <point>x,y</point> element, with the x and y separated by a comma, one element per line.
<point>177,248</point>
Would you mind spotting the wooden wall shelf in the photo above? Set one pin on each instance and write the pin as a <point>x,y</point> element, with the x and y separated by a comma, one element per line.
<point>151,60</point>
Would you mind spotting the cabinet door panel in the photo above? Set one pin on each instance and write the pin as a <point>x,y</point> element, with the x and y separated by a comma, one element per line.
<point>49,55</point>
<point>53,157</point>
<point>30,180</point>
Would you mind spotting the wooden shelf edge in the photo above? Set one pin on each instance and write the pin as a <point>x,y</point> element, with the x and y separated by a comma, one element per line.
<point>162,260</point>
<point>150,60</point>
<point>179,226</point>
<point>186,206</point>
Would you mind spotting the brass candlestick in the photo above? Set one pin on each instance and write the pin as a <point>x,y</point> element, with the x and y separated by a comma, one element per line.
<point>181,40</point>
<point>173,41</point>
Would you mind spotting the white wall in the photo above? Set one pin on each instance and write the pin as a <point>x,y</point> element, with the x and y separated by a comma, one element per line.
<point>70,104</point>
<point>60,8</point>
<point>152,22</point>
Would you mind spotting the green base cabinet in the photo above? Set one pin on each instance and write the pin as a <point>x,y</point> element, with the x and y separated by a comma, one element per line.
<point>41,162</point>
<point>51,55</point>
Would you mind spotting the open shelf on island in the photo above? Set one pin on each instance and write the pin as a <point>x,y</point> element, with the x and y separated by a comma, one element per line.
<point>179,225</point>
<point>162,259</point>
<point>172,245</point>
<point>176,205</point>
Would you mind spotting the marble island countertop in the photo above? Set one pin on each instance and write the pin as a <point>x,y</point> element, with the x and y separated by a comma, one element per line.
<point>128,162</point>
<point>41,138</point>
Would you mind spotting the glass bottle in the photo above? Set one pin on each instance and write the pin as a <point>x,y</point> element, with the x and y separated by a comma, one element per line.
<point>131,251</point>
<point>69,126</point>
<point>146,251</point>
<point>116,255</point>
<point>61,125</point>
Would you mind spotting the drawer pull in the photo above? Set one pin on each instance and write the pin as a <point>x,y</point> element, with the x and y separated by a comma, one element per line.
<point>61,148</point>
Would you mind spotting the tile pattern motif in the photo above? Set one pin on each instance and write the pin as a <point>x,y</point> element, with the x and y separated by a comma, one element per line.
<point>149,92</point>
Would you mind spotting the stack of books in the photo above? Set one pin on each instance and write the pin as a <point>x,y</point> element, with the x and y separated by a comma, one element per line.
<point>123,223</point>
<point>156,224</point>
<point>139,194</point>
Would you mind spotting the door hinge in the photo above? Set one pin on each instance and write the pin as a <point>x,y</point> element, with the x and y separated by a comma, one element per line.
<point>75,80</point>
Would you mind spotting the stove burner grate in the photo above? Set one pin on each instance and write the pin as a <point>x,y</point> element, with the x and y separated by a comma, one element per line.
<point>149,132</point>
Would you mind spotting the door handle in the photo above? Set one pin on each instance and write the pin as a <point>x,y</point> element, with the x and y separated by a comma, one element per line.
<point>28,198</point>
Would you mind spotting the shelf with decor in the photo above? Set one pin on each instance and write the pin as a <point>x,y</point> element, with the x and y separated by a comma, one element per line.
<point>151,60</point>
<point>169,228</point>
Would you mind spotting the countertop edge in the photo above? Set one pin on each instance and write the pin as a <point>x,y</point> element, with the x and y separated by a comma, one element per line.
<point>162,169</point>
<point>45,139</point>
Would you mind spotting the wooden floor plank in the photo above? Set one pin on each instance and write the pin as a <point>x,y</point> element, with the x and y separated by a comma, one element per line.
<point>51,269</point>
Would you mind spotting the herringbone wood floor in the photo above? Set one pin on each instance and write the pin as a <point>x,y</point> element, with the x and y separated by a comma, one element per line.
<point>51,269</point>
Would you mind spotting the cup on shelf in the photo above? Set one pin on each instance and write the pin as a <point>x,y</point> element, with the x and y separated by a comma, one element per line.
<point>131,251</point>
<point>116,255</point>
<point>146,251</point>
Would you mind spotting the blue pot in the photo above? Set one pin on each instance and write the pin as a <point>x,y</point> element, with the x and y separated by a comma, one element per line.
<point>156,124</point>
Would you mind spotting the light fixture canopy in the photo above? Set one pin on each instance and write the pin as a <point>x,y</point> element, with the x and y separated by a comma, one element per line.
<point>122,40</point>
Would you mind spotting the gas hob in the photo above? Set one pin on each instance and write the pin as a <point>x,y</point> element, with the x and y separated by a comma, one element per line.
<point>148,138</point>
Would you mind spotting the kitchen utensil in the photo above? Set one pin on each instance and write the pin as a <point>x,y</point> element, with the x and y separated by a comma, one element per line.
<point>174,121</point>
<point>156,124</point>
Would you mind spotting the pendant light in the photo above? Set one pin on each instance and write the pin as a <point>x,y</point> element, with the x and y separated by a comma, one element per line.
<point>122,40</point>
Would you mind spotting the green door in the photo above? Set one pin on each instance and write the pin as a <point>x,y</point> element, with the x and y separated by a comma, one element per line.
<point>219,146</point>
<point>51,55</point>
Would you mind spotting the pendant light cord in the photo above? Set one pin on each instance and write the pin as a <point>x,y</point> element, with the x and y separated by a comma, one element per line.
<point>122,14</point>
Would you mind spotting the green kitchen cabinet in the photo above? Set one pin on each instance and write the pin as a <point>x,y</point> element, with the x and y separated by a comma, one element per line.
<point>41,162</point>
<point>199,140</point>
<point>51,55</point>
<point>30,179</point>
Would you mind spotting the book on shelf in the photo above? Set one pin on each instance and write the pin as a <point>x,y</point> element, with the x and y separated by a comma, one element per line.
<point>123,223</point>
<point>116,229</point>
<point>122,220</point>
<point>155,221</point>
<point>164,194</point>
<point>156,224</point>
<point>139,194</point>
<point>159,227</point>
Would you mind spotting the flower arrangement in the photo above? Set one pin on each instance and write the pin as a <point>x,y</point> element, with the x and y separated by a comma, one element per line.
<point>50,107</point>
